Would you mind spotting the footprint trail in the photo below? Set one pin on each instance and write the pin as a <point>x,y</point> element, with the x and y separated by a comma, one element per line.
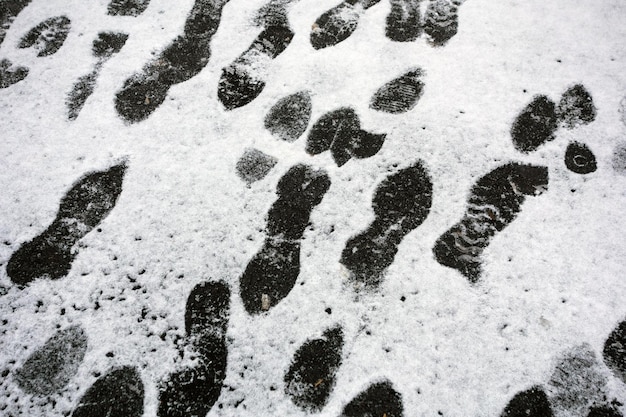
<point>193,390</point>
<point>104,47</point>
<point>184,58</point>
<point>311,375</point>
<point>84,206</point>
<point>494,202</point>
<point>401,203</point>
<point>272,272</point>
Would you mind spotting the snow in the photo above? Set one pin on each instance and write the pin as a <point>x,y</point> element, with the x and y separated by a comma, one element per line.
<point>553,278</point>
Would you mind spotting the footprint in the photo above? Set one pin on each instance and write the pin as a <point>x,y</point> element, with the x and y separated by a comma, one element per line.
<point>619,158</point>
<point>530,403</point>
<point>604,411</point>
<point>577,382</point>
<point>576,107</point>
<point>403,21</point>
<point>272,272</point>
<point>127,7</point>
<point>494,202</point>
<point>311,375</point>
<point>48,36</point>
<point>614,352</point>
<point>104,47</point>
<point>185,57</point>
<point>8,12</point>
<point>254,165</point>
<point>338,23</point>
<point>441,21</point>
<point>289,118</point>
<point>379,399</point>
<point>579,158</point>
<point>340,131</point>
<point>244,79</point>
<point>118,393</point>
<point>535,125</point>
<point>401,203</point>
<point>51,367</point>
<point>85,205</point>
<point>194,390</point>
<point>10,74</point>
<point>401,94</point>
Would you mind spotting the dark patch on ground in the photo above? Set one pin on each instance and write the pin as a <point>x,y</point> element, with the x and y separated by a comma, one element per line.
<point>379,399</point>
<point>241,82</point>
<point>400,94</point>
<point>494,202</point>
<point>118,393</point>
<point>48,36</point>
<point>10,74</point>
<point>311,375</point>
<point>403,21</point>
<point>340,131</point>
<point>576,107</point>
<point>272,272</point>
<point>441,21</point>
<point>530,403</point>
<point>8,12</point>
<point>338,23</point>
<point>85,205</point>
<point>127,7</point>
<point>614,352</point>
<point>535,125</point>
<point>401,203</point>
<point>579,158</point>
<point>289,117</point>
<point>254,165</point>
<point>51,367</point>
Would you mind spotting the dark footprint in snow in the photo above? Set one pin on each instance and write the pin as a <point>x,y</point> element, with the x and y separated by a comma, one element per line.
<point>311,375</point>
<point>579,158</point>
<point>104,47</point>
<point>401,94</point>
<point>10,74</point>
<point>254,165</point>
<point>185,57</point>
<point>127,7</point>
<point>338,23</point>
<point>401,203</point>
<point>244,79</point>
<point>614,352</point>
<point>578,380</point>
<point>530,403</point>
<point>576,107</point>
<point>403,21</point>
<point>118,393</point>
<point>192,391</point>
<point>48,36</point>
<point>380,399</point>
<point>289,118</point>
<point>340,131</point>
<point>85,205</point>
<point>535,125</point>
<point>494,202</point>
<point>8,12</point>
<point>272,272</point>
<point>604,411</point>
<point>441,21</point>
<point>51,367</point>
